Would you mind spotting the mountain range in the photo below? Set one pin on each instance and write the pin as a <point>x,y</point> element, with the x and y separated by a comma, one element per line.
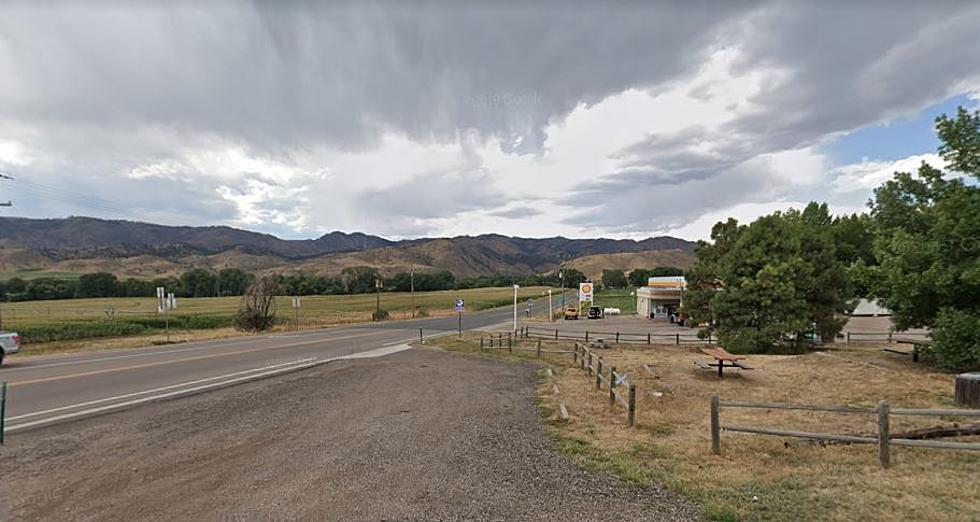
<point>145,250</point>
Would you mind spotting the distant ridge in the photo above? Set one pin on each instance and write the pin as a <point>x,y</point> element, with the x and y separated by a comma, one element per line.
<point>145,250</point>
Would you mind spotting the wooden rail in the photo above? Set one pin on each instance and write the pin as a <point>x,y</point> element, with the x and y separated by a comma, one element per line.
<point>883,438</point>
<point>593,364</point>
<point>617,337</point>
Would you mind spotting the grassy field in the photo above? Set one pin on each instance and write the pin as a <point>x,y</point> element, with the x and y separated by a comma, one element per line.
<point>29,274</point>
<point>617,298</point>
<point>762,477</point>
<point>49,321</point>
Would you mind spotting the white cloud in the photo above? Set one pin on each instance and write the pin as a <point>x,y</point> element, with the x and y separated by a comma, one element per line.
<point>869,174</point>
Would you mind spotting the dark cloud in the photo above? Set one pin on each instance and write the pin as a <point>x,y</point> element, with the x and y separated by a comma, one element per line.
<point>291,74</point>
<point>516,213</point>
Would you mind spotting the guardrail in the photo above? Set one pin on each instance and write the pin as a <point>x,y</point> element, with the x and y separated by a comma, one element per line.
<point>882,439</point>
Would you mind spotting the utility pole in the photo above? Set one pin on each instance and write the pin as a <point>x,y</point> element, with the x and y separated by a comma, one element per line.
<point>7,204</point>
<point>411,279</point>
<point>551,308</point>
<point>515,307</point>
<point>378,284</point>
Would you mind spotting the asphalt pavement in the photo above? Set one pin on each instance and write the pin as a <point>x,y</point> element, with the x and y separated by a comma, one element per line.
<point>50,389</point>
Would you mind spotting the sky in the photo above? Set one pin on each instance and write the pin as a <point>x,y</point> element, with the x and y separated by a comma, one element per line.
<point>617,119</point>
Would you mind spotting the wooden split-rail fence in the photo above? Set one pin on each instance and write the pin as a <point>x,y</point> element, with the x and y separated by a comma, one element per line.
<point>883,439</point>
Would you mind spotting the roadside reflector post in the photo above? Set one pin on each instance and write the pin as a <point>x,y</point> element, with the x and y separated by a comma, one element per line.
<point>715,425</point>
<point>612,386</point>
<point>884,446</point>
<point>3,409</point>
<point>631,411</point>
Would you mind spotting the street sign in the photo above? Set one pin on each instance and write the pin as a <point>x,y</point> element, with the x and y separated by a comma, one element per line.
<point>459,305</point>
<point>296,303</point>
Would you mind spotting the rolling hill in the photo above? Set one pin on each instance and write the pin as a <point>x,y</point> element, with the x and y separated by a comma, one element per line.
<point>143,250</point>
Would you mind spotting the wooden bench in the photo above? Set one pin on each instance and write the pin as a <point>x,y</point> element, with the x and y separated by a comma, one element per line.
<point>723,359</point>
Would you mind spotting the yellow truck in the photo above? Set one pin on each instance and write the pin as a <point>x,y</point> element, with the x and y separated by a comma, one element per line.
<point>571,313</point>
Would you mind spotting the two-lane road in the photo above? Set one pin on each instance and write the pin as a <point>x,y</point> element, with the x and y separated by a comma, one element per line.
<point>43,390</point>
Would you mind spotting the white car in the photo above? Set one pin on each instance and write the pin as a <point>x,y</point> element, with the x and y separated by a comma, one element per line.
<point>9,343</point>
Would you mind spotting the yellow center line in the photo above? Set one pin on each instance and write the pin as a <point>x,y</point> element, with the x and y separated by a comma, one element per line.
<point>175,361</point>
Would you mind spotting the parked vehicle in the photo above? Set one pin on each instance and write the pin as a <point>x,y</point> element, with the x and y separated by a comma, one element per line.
<point>571,313</point>
<point>595,312</point>
<point>9,343</point>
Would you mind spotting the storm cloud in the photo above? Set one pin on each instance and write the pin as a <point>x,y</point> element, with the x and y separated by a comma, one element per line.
<point>441,118</point>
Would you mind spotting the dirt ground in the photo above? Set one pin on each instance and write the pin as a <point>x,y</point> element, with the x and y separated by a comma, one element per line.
<point>772,478</point>
<point>419,435</point>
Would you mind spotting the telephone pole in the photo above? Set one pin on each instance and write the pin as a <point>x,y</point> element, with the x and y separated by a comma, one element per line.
<point>7,204</point>
<point>411,278</point>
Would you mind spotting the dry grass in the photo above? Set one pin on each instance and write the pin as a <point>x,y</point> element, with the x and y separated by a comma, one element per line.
<point>762,477</point>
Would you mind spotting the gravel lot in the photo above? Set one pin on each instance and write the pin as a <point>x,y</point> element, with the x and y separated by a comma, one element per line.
<point>419,435</point>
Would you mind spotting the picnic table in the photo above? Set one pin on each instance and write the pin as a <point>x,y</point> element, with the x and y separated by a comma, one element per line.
<point>723,359</point>
<point>917,345</point>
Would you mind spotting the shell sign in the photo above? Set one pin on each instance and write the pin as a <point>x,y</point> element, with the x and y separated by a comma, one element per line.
<point>585,292</point>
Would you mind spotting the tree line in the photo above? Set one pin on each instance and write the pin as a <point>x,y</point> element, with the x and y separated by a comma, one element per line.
<point>637,276</point>
<point>774,283</point>
<point>200,282</point>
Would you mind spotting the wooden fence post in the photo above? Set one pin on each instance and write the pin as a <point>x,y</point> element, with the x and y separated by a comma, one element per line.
<point>848,336</point>
<point>481,343</point>
<point>510,344</point>
<point>648,337</point>
<point>889,336</point>
<point>556,334</point>
<point>884,446</point>
<point>3,409</point>
<point>617,337</point>
<point>715,425</point>
<point>677,338</point>
<point>420,335</point>
<point>586,336</point>
<point>575,354</point>
<point>589,367</point>
<point>539,348</point>
<point>612,385</point>
<point>631,411</point>
<point>598,374</point>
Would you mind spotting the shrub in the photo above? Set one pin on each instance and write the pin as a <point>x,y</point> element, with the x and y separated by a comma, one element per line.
<point>380,315</point>
<point>956,340</point>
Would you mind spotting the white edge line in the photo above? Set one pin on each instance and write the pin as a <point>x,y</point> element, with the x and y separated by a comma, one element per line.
<point>189,391</point>
<point>144,392</point>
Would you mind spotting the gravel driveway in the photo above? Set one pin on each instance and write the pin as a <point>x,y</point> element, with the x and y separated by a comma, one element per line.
<point>419,435</point>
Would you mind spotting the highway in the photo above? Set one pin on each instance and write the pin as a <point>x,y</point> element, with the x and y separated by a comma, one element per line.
<point>53,389</point>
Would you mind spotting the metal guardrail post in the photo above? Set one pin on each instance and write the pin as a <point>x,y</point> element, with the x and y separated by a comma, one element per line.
<point>884,449</point>
<point>715,425</point>
<point>631,411</point>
